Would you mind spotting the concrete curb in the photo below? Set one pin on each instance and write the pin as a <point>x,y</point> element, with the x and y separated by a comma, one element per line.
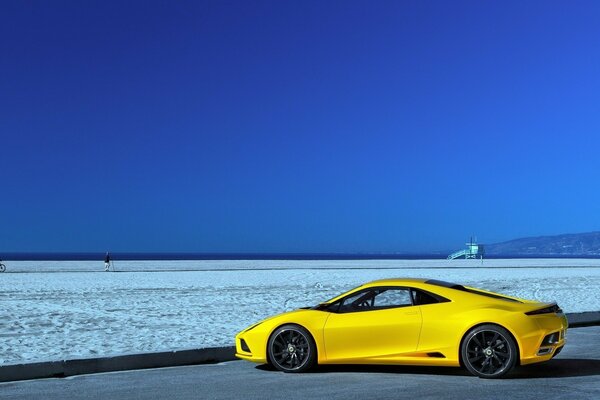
<point>579,320</point>
<point>61,369</point>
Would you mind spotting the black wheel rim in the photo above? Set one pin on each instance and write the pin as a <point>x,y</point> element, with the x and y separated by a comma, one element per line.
<point>488,352</point>
<point>290,349</point>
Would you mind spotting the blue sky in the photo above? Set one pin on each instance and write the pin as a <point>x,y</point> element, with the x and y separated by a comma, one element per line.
<point>297,126</point>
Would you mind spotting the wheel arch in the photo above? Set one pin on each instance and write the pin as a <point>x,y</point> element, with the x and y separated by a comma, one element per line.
<point>510,332</point>
<point>312,337</point>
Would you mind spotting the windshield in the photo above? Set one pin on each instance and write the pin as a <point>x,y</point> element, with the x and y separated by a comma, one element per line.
<point>339,295</point>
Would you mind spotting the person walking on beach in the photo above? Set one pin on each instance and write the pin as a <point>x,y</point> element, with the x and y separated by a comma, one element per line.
<point>107,262</point>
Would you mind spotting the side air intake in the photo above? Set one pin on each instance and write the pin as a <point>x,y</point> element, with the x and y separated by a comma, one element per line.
<point>436,354</point>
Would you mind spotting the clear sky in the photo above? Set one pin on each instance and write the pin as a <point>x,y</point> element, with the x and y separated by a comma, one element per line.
<point>296,126</point>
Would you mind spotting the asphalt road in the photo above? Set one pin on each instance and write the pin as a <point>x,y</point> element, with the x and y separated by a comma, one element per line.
<point>574,374</point>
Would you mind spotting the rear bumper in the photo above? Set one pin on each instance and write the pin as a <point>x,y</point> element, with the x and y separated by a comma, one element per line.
<point>546,342</point>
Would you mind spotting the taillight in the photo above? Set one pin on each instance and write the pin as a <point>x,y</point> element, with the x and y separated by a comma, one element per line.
<point>554,308</point>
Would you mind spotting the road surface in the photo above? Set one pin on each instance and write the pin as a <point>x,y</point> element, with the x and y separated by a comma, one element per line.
<point>574,374</point>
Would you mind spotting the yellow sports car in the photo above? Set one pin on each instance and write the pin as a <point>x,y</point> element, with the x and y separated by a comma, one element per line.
<point>410,322</point>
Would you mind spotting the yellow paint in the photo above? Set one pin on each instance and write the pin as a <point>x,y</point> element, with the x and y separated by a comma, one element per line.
<point>408,335</point>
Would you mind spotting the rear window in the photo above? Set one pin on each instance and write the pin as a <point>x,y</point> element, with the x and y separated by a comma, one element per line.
<point>469,290</point>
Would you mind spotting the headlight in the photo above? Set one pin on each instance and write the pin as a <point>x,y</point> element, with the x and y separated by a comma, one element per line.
<point>252,327</point>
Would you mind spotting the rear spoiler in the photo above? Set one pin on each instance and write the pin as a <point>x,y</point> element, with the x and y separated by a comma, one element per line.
<point>552,308</point>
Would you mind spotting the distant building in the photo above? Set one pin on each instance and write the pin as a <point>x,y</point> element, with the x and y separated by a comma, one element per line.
<point>473,250</point>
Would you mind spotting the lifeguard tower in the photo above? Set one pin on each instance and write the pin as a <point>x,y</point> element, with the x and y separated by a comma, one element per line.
<point>473,250</point>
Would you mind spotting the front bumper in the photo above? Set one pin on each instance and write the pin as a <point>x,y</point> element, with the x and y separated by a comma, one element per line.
<point>250,347</point>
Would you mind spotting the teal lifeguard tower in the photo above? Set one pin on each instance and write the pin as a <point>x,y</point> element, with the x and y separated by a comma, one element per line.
<point>473,250</point>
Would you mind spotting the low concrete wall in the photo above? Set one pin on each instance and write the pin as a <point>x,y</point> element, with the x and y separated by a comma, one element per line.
<point>577,320</point>
<point>59,369</point>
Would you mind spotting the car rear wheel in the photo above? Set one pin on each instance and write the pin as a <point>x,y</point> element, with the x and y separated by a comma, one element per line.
<point>292,349</point>
<point>489,351</point>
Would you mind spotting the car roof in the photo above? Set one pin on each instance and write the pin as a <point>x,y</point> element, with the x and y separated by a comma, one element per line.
<point>395,281</point>
<point>441,288</point>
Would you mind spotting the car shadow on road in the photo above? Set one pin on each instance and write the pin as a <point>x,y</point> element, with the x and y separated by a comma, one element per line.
<point>558,368</point>
<point>382,369</point>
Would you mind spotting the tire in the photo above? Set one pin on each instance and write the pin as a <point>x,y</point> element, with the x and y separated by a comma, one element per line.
<point>489,351</point>
<point>2,268</point>
<point>291,348</point>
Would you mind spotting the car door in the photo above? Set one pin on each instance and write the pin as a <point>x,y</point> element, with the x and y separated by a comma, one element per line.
<point>379,322</point>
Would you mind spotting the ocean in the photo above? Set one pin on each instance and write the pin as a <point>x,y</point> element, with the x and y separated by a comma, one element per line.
<point>148,256</point>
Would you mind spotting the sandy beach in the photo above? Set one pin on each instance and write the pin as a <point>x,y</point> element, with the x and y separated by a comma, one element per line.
<point>58,310</point>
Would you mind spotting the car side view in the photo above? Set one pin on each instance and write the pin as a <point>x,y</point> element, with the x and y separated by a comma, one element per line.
<point>410,322</point>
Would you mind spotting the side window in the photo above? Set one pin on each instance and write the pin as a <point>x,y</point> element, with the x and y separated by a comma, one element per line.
<point>376,299</point>
<point>333,307</point>
<point>421,298</point>
<point>393,298</point>
<point>360,301</point>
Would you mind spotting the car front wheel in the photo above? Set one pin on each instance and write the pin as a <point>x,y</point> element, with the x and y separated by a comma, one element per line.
<point>292,349</point>
<point>489,351</point>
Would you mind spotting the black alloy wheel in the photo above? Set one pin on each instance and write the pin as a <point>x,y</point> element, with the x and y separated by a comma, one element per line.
<point>489,351</point>
<point>292,349</point>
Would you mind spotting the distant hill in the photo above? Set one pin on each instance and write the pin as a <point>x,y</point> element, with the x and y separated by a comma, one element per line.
<point>575,244</point>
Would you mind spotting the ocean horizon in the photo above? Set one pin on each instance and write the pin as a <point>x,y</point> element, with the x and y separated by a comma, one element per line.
<point>91,256</point>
